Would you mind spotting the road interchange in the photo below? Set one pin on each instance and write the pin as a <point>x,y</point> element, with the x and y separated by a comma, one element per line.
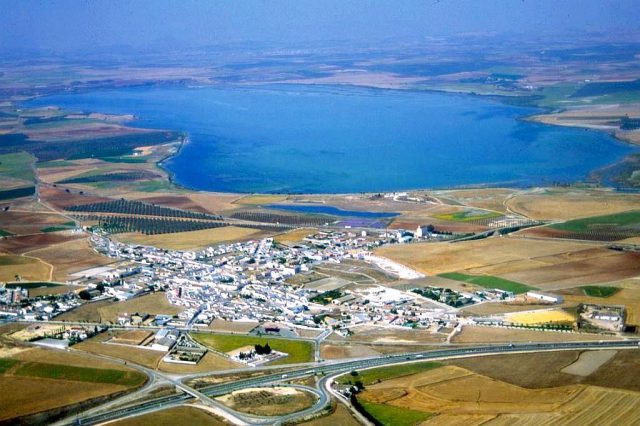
<point>328,371</point>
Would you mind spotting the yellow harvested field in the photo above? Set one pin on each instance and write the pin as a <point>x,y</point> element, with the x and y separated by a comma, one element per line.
<point>132,337</point>
<point>260,199</point>
<point>560,204</point>
<point>193,239</point>
<point>476,334</point>
<point>436,258</point>
<point>153,304</point>
<point>28,268</point>
<point>541,317</point>
<point>70,256</point>
<point>295,236</point>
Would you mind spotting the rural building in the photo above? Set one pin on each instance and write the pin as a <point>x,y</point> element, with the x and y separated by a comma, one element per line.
<point>545,297</point>
<point>165,339</point>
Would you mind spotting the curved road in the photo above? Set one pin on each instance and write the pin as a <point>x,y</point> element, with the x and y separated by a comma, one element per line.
<point>332,370</point>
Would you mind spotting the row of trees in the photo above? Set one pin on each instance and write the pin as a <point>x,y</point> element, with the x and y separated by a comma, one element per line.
<point>266,217</point>
<point>139,208</point>
<point>149,225</point>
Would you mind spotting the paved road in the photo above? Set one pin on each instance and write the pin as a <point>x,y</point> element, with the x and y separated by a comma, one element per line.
<point>333,369</point>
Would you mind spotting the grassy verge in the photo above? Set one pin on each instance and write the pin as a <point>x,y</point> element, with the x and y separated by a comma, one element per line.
<point>81,374</point>
<point>598,222</point>
<point>488,281</point>
<point>388,415</point>
<point>6,364</point>
<point>376,375</point>
<point>298,350</point>
<point>599,291</point>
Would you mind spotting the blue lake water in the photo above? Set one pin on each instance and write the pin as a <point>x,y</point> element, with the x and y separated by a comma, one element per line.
<point>330,210</point>
<point>341,139</point>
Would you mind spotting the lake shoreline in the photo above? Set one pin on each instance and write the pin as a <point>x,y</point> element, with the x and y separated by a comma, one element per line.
<point>172,176</point>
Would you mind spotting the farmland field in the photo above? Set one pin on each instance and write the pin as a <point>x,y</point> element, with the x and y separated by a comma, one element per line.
<point>298,351</point>
<point>28,268</point>
<point>553,316</point>
<point>476,334</point>
<point>388,415</point>
<point>173,416</point>
<point>154,304</point>
<point>377,375</point>
<point>545,264</point>
<point>599,291</point>
<point>488,282</point>
<point>462,396</point>
<point>193,239</point>
<point>340,417</point>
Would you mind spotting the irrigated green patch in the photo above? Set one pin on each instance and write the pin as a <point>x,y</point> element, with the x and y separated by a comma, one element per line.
<point>59,163</point>
<point>62,227</point>
<point>17,193</point>
<point>18,165</point>
<point>488,281</point>
<point>467,216</point>
<point>377,375</point>
<point>298,350</point>
<point>599,291</point>
<point>81,374</point>
<point>6,364</point>
<point>388,415</point>
<point>4,233</point>
<point>597,223</point>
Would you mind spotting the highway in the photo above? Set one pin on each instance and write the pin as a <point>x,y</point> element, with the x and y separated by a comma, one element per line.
<point>330,370</point>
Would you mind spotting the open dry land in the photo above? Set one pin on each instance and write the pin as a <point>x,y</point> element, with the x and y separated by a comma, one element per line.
<point>478,334</point>
<point>25,268</point>
<point>268,402</point>
<point>544,264</point>
<point>39,380</point>
<point>294,237</point>
<point>183,415</point>
<point>70,257</point>
<point>153,304</point>
<point>466,397</point>
<point>389,336</point>
<point>96,345</point>
<point>341,351</point>
<point>193,239</point>
<point>340,416</point>
<point>566,204</point>
<point>210,362</point>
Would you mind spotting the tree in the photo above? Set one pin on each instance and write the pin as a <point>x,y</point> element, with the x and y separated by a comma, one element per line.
<point>84,295</point>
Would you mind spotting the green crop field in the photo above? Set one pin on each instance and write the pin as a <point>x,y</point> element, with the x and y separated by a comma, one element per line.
<point>599,291</point>
<point>388,415</point>
<point>62,227</point>
<point>298,350</point>
<point>6,364</point>
<point>466,216</point>
<point>488,281</point>
<point>81,374</point>
<point>376,375</point>
<point>608,222</point>
<point>17,165</point>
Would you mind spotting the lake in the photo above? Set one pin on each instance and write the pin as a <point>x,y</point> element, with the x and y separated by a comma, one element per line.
<point>334,139</point>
